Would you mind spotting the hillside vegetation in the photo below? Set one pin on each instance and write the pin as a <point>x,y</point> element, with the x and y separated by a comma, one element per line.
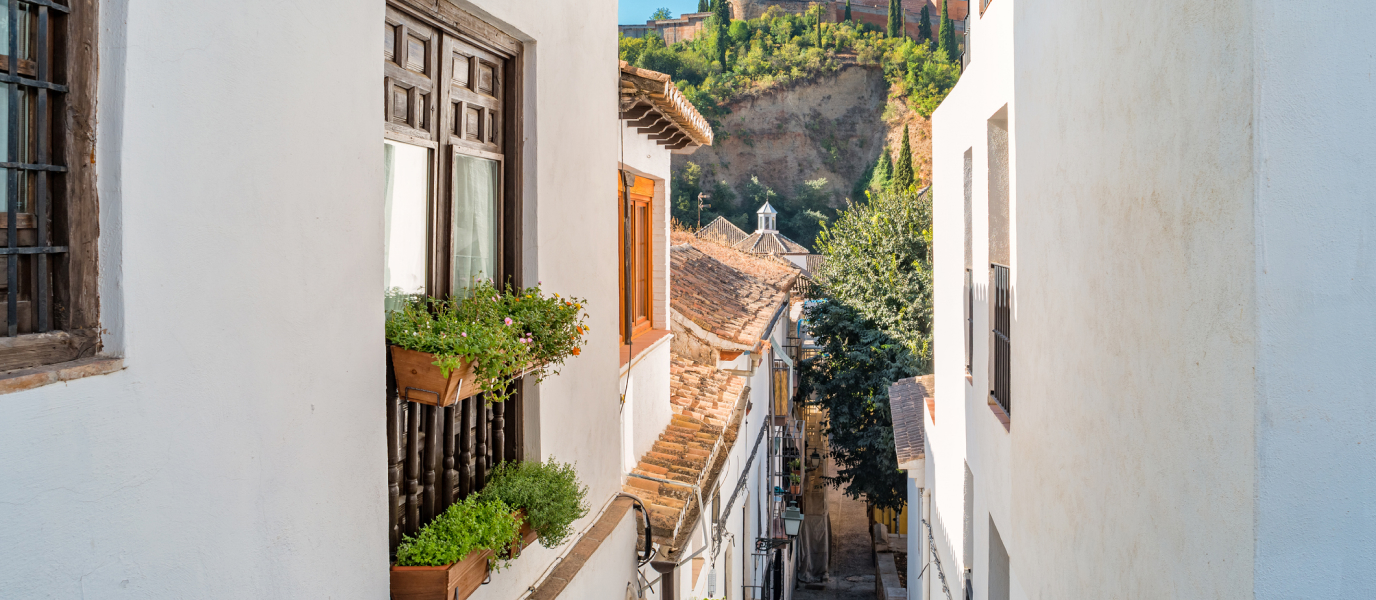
<point>736,61</point>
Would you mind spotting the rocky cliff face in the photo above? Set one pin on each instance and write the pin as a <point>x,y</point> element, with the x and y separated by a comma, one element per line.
<point>830,127</point>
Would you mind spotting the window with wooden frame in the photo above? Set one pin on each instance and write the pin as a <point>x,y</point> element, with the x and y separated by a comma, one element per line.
<point>48,218</point>
<point>452,214</point>
<point>641,259</point>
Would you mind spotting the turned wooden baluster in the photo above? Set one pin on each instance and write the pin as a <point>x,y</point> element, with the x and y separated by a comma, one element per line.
<point>466,449</point>
<point>432,439</point>
<point>498,433</point>
<point>394,452</point>
<point>451,477</point>
<point>412,469</point>
<point>484,415</point>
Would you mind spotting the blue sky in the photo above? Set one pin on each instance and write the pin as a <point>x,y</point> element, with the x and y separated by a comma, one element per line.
<point>637,11</point>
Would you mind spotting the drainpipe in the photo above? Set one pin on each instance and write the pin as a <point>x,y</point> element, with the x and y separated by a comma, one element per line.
<point>668,585</point>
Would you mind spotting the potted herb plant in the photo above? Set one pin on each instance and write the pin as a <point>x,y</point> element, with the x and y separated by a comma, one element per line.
<point>446,350</point>
<point>549,493</point>
<point>795,486</point>
<point>450,557</point>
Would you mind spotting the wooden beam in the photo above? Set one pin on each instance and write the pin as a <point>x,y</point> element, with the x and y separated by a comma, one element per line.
<point>636,112</point>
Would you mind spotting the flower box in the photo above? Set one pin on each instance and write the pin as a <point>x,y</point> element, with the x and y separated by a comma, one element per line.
<point>419,380</point>
<point>454,581</point>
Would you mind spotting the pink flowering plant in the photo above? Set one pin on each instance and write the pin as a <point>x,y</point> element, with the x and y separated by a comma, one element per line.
<point>505,333</point>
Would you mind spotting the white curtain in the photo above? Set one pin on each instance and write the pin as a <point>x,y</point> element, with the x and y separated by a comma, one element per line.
<point>475,220</point>
<point>406,200</point>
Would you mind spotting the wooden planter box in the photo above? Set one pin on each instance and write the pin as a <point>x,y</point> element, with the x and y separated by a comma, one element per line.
<point>451,582</point>
<point>419,380</point>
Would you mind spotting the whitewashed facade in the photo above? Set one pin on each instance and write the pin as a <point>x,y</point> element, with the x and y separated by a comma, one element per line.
<point>1186,216</point>
<point>239,449</point>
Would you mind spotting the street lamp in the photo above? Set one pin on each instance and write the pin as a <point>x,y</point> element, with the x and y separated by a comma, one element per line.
<point>793,519</point>
<point>814,460</point>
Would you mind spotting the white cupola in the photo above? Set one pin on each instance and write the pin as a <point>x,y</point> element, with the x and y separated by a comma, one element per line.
<point>767,215</point>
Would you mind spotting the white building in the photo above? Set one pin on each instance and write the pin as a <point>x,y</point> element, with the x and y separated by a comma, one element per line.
<point>1160,390</point>
<point>715,478</point>
<point>208,413</point>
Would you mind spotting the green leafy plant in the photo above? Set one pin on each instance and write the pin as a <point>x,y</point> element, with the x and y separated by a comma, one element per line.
<point>504,333</point>
<point>549,492</point>
<point>464,528</point>
<point>795,478</point>
<point>795,464</point>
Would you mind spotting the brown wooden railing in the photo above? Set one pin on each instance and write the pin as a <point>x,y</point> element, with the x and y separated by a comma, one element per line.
<point>439,456</point>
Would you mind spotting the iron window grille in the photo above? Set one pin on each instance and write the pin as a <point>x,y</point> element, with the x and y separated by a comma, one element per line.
<point>49,217</point>
<point>969,321</point>
<point>1000,286</point>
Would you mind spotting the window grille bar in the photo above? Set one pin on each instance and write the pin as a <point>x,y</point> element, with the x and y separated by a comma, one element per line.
<point>13,78</point>
<point>1002,297</point>
<point>47,3</point>
<point>43,300</point>
<point>34,166</point>
<point>12,192</point>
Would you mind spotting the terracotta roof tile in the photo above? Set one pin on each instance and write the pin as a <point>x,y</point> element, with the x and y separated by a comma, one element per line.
<point>769,242</point>
<point>731,304</point>
<point>906,399</point>
<point>721,231</point>
<point>774,270</point>
<point>705,402</point>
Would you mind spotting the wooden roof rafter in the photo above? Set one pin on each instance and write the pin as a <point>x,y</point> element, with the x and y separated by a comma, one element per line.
<point>648,97</point>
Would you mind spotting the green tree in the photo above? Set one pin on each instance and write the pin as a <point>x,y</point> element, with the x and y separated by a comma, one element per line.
<point>704,6</point>
<point>924,29</point>
<point>903,178</point>
<point>850,378</point>
<point>883,172</point>
<point>848,19</point>
<point>721,13</point>
<point>895,18</point>
<point>661,13</point>
<point>879,262</point>
<point>947,43</point>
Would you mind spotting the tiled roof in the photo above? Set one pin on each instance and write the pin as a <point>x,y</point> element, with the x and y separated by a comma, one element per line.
<point>706,422</point>
<point>906,399</point>
<point>725,301</point>
<point>775,271</point>
<point>769,242</point>
<point>721,231</point>
<point>651,102</point>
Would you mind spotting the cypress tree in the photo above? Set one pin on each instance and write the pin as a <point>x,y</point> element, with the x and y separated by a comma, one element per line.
<point>947,42</point>
<point>895,18</point>
<point>924,29</point>
<point>721,11</point>
<point>704,6</point>
<point>903,178</point>
<point>848,19</point>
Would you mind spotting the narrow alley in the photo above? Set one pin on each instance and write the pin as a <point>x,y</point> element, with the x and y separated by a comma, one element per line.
<point>852,569</point>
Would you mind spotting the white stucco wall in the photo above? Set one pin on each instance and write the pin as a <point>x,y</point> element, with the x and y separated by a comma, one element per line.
<point>1130,460</point>
<point>242,451</point>
<point>1315,220</point>
<point>647,411</point>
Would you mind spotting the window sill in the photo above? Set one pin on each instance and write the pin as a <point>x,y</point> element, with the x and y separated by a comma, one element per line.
<point>1001,416</point>
<point>642,344</point>
<point>36,377</point>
